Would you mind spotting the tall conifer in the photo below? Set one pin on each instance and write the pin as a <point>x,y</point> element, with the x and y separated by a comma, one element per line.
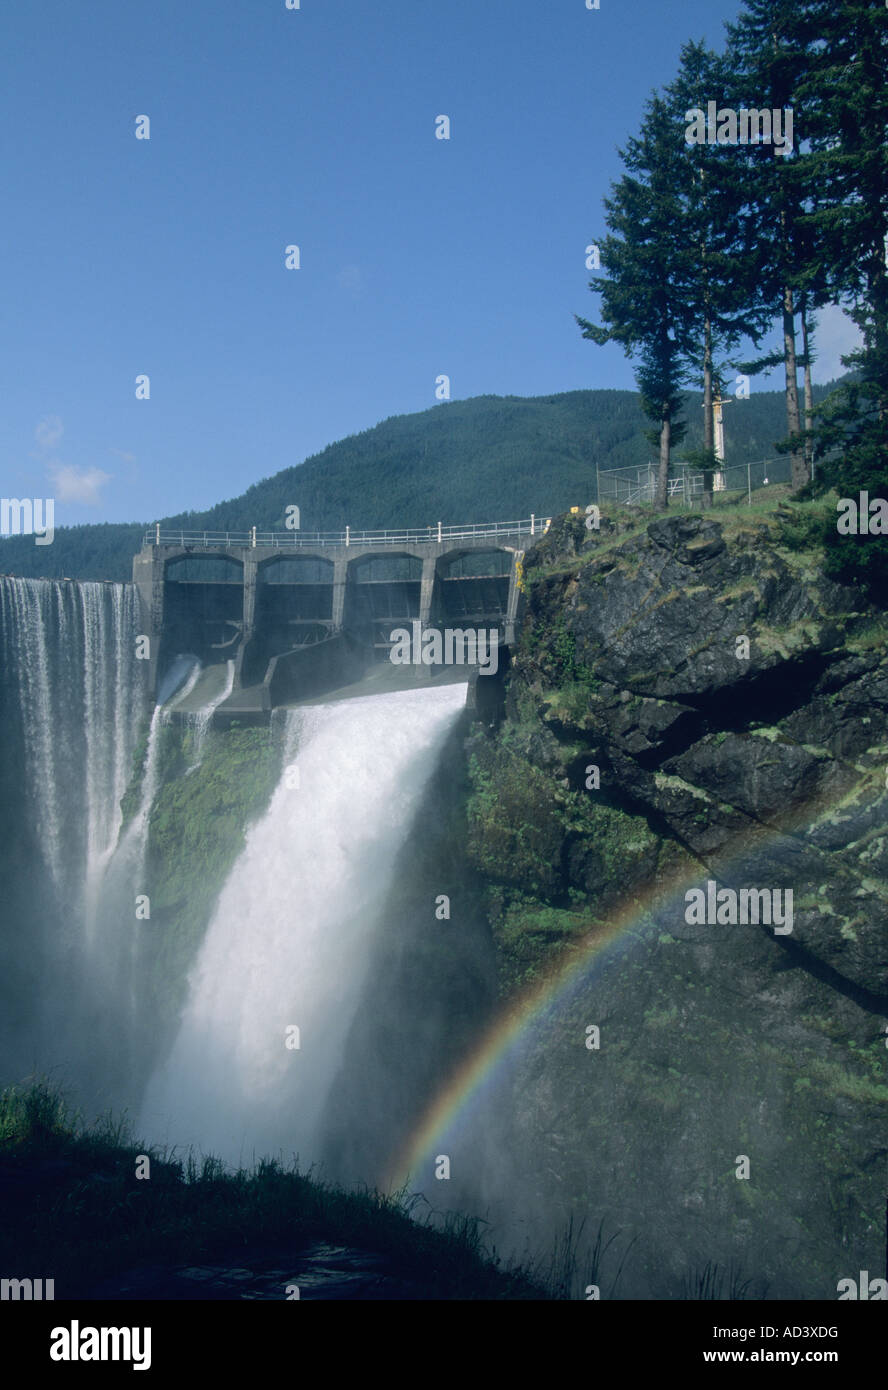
<point>645,292</point>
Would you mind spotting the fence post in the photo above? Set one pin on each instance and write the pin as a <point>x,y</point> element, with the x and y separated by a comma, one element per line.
<point>347,534</point>
<point>439,533</point>
<point>157,534</point>
<point>532,522</point>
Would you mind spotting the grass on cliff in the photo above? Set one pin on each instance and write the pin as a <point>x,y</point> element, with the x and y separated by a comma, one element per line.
<point>87,1217</point>
<point>797,522</point>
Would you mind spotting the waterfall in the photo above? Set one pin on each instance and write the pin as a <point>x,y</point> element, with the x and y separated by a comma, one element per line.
<point>69,666</point>
<point>73,698</point>
<point>126,874</point>
<point>131,856</point>
<point>294,925</point>
<point>133,852</point>
<point>201,719</point>
<point>108,679</point>
<point>288,944</point>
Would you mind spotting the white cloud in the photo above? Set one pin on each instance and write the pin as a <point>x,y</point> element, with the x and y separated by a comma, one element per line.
<point>834,338</point>
<point>78,485</point>
<point>49,432</point>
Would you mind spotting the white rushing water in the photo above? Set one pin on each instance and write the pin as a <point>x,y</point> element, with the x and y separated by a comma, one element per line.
<point>289,940</point>
<point>131,856</point>
<point>201,719</point>
<point>74,699</point>
<point>69,651</point>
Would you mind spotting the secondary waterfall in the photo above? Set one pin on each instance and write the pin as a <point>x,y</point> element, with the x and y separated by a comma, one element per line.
<point>285,954</point>
<point>131,855</point>
<point>73,686</point>
<point>201,719</point>
<point>73,698</point>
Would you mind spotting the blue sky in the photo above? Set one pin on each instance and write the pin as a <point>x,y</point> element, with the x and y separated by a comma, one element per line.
<point>315,127</point>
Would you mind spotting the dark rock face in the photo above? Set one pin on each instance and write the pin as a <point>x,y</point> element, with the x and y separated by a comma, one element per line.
<point>733,713</point>
<point>733,701</point>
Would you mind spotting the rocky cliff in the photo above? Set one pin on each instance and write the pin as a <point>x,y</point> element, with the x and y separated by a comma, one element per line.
<point>692,705</point>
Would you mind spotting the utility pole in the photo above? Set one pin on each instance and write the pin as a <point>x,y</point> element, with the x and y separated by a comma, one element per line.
<point>719,423</point>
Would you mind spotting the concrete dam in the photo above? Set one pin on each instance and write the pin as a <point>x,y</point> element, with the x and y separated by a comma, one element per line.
<point>301,614</point>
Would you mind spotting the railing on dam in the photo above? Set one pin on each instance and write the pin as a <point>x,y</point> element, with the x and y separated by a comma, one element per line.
<point>290,540</point>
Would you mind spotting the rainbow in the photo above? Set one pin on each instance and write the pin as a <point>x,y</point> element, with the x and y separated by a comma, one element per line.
<point>478,1071</point>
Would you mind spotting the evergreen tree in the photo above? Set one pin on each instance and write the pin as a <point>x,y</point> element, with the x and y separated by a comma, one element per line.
<point>644,297</point>
<point>719,228</point>
<point>848,88</point>
<point>769,58</point>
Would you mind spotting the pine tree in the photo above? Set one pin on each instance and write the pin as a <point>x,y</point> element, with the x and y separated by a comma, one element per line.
<point>770,48</point>
<point>645,294</point>
<point>847,86</point>
<point>718,227</point>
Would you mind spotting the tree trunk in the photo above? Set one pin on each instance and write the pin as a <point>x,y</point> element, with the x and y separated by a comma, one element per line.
<point>877,291</point>
<point>708,422</point>
<point>799,474</point>
<point>663,471</point>
<point>809,389</point>
<point>877,271</point>
<point>708,415</point>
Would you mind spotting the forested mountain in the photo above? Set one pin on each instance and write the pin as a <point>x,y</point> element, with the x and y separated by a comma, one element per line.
<point>485,459</point>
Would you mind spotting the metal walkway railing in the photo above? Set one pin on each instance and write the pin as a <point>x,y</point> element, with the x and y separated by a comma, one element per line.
<point>290,540</point>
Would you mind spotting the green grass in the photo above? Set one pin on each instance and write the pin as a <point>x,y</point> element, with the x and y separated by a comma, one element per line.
<point>797,528</point>
<point>713,1281</point>
<point>92,1217</point>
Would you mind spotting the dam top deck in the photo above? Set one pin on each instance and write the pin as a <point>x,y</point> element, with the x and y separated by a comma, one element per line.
<point>480,534</point>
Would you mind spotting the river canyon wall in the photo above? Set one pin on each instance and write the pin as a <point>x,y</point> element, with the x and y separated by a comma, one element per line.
<point>692,703</point>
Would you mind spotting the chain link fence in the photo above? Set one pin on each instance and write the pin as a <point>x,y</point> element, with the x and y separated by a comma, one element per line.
<point>631,486</point>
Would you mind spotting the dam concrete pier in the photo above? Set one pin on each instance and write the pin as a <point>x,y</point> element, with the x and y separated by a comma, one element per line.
<point>300,613</point>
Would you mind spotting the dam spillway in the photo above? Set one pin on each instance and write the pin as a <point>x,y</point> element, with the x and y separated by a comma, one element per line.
<point>299,614</point>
